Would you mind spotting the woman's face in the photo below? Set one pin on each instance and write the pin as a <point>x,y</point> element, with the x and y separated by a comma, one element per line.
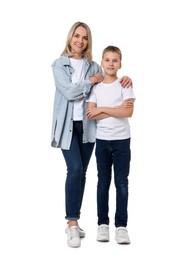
<point>79,42</point>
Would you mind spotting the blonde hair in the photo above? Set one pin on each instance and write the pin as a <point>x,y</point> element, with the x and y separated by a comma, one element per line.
<point>112,49</point>
<point>88,51</point>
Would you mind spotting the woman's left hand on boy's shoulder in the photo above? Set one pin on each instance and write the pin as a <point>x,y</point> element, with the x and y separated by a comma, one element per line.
<point>126,82</point>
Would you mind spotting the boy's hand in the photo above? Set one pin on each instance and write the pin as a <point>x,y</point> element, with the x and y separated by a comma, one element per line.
<point>93,112</point>
<point>128,103</point>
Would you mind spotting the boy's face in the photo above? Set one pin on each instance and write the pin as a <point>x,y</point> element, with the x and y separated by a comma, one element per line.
<point>111,62</point>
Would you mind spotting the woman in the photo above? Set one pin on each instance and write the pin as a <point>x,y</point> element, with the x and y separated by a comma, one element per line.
<point>75,73</point>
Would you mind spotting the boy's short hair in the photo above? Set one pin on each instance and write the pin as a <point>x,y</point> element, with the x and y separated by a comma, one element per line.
<point>113,49</point>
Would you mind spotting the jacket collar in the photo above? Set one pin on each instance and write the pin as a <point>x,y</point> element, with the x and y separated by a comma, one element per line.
<point>66,61</point>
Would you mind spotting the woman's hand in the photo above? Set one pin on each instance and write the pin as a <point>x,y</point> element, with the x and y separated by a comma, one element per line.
<point>126,82</point>
<point>96,78</point>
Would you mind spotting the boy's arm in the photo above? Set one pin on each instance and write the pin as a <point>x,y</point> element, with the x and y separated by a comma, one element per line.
<point>118,112</point>
<point>125,110</point>
<point>94,113</point>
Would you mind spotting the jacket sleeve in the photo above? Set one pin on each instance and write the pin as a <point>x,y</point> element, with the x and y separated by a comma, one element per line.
<point>64,83</point>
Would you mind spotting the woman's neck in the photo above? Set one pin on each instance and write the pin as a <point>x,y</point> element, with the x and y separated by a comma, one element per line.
<point>76,57</point>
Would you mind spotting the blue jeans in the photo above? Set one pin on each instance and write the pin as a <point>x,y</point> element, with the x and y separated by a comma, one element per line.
<point>77,159</point>
<point>114,153</point>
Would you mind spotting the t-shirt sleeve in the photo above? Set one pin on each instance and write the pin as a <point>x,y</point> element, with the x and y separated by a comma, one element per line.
<point>128,93</point>
<point>92,96</point>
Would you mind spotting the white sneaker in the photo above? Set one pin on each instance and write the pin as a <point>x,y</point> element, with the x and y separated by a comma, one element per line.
<point>103,233</point>
<point>81,231</point>
<point>121,235</point>
<point>73,238</point>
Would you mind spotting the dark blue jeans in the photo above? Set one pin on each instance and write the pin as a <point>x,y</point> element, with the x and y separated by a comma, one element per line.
<point>114,153</point>
<point>77,159</point>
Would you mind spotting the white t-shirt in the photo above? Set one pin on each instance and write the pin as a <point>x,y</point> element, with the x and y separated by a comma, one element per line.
<point>111,95</point>
<point>77,77</point>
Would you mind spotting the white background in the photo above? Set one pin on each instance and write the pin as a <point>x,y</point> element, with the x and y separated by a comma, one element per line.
<point>32,173</point>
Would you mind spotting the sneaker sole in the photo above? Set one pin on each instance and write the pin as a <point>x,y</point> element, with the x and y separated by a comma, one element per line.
<point>123,242</point>
<point>105,240</point>
<point>74,246</point>
<point>102,239</point>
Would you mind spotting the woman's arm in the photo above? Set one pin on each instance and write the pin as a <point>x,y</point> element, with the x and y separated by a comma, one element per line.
<point>70,90</point>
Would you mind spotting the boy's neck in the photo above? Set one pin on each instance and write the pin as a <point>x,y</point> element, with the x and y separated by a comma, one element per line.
<point>109,79</point>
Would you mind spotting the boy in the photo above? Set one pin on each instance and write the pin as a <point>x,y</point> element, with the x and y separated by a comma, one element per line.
<point>111,105</point>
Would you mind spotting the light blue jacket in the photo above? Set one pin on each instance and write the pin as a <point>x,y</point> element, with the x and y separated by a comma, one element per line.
<point>66,92</point>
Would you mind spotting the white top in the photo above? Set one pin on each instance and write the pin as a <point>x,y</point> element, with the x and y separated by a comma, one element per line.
<point>77,77</point>
<point>111,95</point>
